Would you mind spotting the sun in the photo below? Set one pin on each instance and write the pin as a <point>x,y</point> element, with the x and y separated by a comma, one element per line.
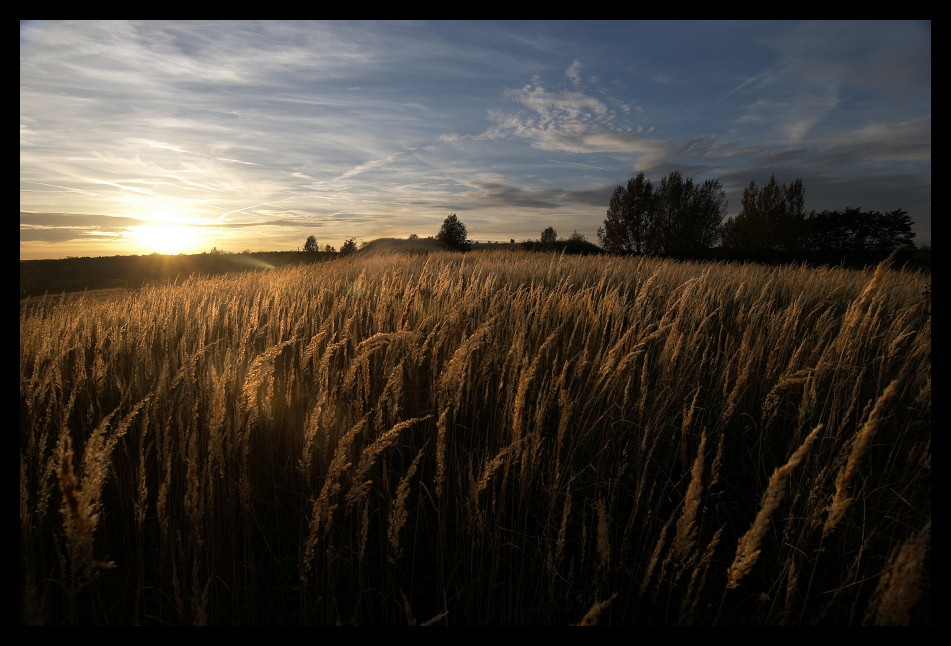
<point>166,238</point>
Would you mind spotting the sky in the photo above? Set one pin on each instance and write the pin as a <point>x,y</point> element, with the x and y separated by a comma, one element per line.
<point>180,137</point>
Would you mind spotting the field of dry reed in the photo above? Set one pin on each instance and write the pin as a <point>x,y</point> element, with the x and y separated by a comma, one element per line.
<point>495,438</point>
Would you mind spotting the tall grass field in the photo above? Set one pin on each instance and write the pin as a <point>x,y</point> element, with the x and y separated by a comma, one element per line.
<point>491,438</point>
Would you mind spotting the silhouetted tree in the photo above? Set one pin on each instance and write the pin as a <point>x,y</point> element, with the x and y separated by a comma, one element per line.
<point>453,233</point>
<point>349,247</point>
<point>549,235</point>
<point>856,235</point>
<point>891,230</point>
<point>630,217</point>
<point>771,222</point>
<point>677,218</point>
<point>311,244</point>
<point>688,217</point>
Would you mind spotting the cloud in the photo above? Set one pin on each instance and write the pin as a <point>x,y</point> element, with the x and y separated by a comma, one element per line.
<point>254,206</point>
<point>571,121</point>
<point>574,72</point>
<point>575,121</point>
<point>823,66</point>
<point>64,227</point>
<point>489,193</point>
<point>560,107</point>
<point>869,150</point>
<point>370,165</point>
<point>76,220</point>
<point>134,189</point>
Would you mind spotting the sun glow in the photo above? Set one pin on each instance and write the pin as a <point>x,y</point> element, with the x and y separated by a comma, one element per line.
<point>166,238</point>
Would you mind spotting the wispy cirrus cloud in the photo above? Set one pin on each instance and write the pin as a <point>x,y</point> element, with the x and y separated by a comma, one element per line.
<point>370,165</point>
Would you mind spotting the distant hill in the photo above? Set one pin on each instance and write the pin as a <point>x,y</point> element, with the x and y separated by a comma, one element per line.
<point>382,246</point>
<point>38,277</point>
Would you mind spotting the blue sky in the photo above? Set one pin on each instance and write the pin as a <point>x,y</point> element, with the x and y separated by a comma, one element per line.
<point>183,136</point>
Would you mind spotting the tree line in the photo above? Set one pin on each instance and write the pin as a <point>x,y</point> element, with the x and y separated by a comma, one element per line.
<point>312,246</point>
<point>453,233</point>
<point>682,218</point>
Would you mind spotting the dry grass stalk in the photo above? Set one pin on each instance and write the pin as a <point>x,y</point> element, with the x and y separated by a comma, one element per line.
<point>81,507</point>
<point>562,531</point>
<point>698,577</point>
<point>441,450</point>
<point>740,368</point>
<point>398,512</point>
<point>792,581</point>
<point>686,536</point>
<point>360,365</point>
<point>841,501</point>
<point>410,619</point>
<point>502,459</point>
<point>97,454</point>
<point>899,587</point>
<point>591,617</point>
<point>79,516</point>
<point>655,558</point>
<point>325,504</point>
<point>364,531</point>
<point>567,415</point>
<point>604,540</point>
<point>525,381</point>
<point>260,373</point>
<point>361,484</point>
<point>437,618</point>
<point>748,548</point>
<point>453,381</point>
<point>199,600</point>
<point>311,432</point>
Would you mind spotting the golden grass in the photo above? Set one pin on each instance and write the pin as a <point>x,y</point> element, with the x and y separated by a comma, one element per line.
<point>505,437</point>
<point>841,501</point>
<point>748,548</point>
